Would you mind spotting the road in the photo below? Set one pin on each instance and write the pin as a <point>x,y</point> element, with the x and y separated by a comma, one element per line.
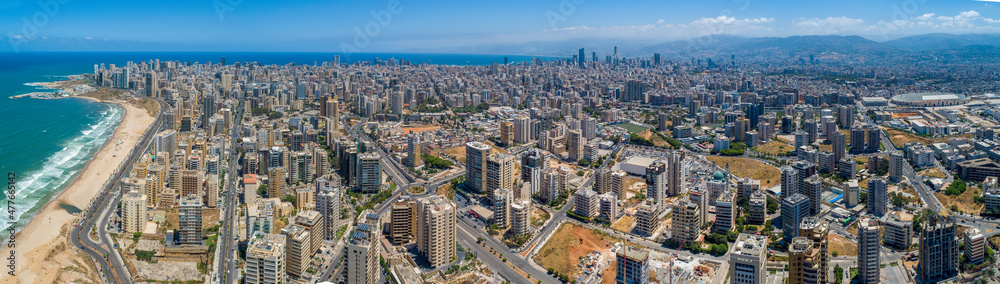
<point>97,215</point>
<point>226,262</point>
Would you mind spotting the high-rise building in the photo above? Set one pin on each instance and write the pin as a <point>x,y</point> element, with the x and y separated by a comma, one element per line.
<point>369,172</point>
<point>506,133</point>
<point>520,212</point>
<point>647,219</point>
<point>522,129</point>
<point>898,230</point>
<point>189,220</point>
<point>533,159</point>
<point>312,221</point>
<point>265,259</point>
<point>877,196</point>
<point>413,150</point>
<point>686,220</point>
<point>586,203</point>
<point>974,246</point>
<point>725,209</point>
<point>329,206</point>
<point>813,189</point>
<point>938,255</point>
<point>363,249</point>
<point>436,217</point>
<point>656,184</point>
<point>602,180</point>
<point>397,103</point>
<point>298,250</point>
<point>873,140</point>
<point>793,210</point>
<point>858,145</point>
<point>581,58</point>
<point>404,218</point>
<point>632,266</point>
<point>609,206</point>
<point>618,183</point>
<point>588,126</point>
<point>789,182</point>
<point>757,208</point>
<point>845,116</point>
<point>475,166</point>
<point>839,144</point>
<point>869,246</point>
<point>134,212</point>
<point>152,87</point>
<point>574,144</point>
<point>502,199</point>
<point>896,166</point>
<point>807,255</point>
<point>499,172</point>
<point>747,262</point>
<point>674,173</point>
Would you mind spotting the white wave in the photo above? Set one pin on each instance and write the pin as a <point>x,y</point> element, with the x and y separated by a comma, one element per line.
<point>44,183</point>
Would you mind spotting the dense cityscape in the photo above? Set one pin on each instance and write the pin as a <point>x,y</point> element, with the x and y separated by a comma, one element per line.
<point>583,169</point>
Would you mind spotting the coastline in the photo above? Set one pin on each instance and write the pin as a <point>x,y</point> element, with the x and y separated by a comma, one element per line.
<point>41,247</point>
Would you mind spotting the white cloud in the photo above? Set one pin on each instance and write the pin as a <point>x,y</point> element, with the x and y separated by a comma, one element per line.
<point>925,17</point>
<point>833,25</point>
<point>660,21</point>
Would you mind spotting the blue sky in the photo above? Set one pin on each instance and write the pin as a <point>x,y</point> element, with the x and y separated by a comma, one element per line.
<point>306,25</point>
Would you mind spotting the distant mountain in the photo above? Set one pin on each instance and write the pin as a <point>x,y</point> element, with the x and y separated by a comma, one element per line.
<point>939,41</point>
<point>795,46</point>
<point>561,48</point>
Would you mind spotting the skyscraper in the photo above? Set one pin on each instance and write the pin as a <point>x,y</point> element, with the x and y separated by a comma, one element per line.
<point>134,212</point>
<point>674,173</point>
<point>574,144</point>
<point>499,172</point>
<point>475,166</point>
<point>877,196</point>
<point>896,166</point>
<point>581,59</point>
<point>506,133</point>
<point>363,249</point>
<point>813,189</point>
<point>328,205</point>
<point>403,221</point>
<point>436,219</point>
<point>369,172</point>
<point>938,256</point>
<point>869,238</point>
<point>793,210</point>
<point>189,220</point>
<point>413,150</point>
<point>789,182</point>
<point>656,183</point>
<point>807,255</point>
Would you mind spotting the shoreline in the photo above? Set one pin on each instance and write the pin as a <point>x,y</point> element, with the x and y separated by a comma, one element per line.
<point>41,246</point>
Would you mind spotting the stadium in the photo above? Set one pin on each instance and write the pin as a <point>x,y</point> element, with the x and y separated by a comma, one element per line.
<point>929,99</point>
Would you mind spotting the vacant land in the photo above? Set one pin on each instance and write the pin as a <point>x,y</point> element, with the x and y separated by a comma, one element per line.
<point>775,148</point>
<point>624,224</point>
<point>900,138</point>
<point>932,172</point>
<point>446,190</point>
<point>570,242</point>
<point>825,147</point>
<point>417,189</point>
<point>457,152</point>
<point>632,128</point>
<point>842,246</point>
<point>742,167</point>
<point>963,201</point>
<point>538,217</point>
<point>418,129</point>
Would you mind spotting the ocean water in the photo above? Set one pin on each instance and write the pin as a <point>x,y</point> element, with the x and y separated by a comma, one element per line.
<point>46,143</point>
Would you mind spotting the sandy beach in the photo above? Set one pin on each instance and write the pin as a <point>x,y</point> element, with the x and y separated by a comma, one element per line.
<point>43,251</point>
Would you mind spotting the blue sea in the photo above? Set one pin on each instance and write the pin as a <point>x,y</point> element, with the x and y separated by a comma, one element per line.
<point>46,143</point>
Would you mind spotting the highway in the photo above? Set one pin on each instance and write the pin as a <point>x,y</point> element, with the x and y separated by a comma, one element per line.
<point>226,262</point>
<point>97,215</point>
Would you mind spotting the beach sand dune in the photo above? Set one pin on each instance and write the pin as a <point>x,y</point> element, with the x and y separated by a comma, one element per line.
<point>44,253</point>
